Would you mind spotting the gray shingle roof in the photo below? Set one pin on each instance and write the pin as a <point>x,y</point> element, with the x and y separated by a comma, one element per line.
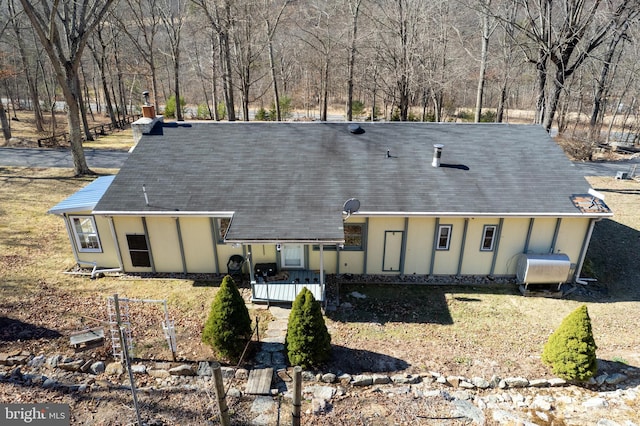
<point>289,181</point>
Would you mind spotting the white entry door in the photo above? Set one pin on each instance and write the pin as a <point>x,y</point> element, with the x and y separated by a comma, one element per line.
<point>292,256</point>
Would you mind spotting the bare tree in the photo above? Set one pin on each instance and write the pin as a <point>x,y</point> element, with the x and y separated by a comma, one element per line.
<point>17,24</point>
<point>146,16</point>
<point>173,15</point>
<point>354,10</point>
<point>63,30</point>
<point>565,34</point>
<point>220,19</point>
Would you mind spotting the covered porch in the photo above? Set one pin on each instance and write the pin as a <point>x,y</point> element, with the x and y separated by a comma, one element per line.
<point>285,286</point>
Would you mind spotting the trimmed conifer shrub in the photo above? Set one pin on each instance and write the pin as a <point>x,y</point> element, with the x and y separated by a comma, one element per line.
<point>308,341</point>
<point>571,349</point>
<point>228,327</point>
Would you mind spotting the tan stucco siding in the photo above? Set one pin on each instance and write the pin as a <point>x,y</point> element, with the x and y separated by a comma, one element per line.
<point>328,258</point>
<point>542,235</point>
<point>107,258</point>
<point>419,245</point>
<point>376,241</point>
<point>261,253</point>
<point>225,251</point>
<point>513,237</point>
<point>446,261</point>
<point>128,225</point>
<point>198,245</point>
<point>571,237</point>
<point>165,246</point>
<point>474,260</point>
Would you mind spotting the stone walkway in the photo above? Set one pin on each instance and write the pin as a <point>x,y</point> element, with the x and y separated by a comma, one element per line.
<point>271,355</point>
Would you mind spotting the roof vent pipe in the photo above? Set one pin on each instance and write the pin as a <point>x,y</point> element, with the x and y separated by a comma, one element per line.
<point>437,153</point>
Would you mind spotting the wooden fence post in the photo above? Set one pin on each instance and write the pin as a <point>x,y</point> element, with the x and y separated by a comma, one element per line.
<point>297,395</point>
<point>220,396</point>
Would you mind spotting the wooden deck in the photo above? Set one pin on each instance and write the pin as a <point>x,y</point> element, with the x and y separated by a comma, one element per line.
<point>286,291</point>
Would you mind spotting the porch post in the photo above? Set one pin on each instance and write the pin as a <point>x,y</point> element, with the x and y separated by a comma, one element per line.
<point>324,298</point>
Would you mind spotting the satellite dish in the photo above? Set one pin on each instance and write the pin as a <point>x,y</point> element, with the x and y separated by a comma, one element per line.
<point>352,205</point>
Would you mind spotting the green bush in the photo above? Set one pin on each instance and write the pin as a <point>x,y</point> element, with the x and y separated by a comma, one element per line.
<point>170,107</point>
<point>357,108</point>
<point>262,115</point>
<point>228,327</point>
<point>308,341</point>
<point>571,349</point>
<point>488,117</point>
<point>222,110</point>
<point>203,112</point>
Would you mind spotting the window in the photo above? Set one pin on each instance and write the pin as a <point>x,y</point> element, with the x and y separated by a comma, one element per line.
<point>139,251</point>
<point>86,233</point>
<point>444,237</point>
<point>354,237</point>
<point>488,237</point>
<point>223,225</point>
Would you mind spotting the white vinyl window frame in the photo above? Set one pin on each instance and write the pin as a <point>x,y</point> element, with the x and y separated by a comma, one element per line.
<point>488,237</point>
<point>443,237</point>
<point>85,233</point>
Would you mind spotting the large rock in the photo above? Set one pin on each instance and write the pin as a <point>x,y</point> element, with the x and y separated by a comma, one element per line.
<point>182,370</point>
<point>380,379</point>
<point>71,366</point>
<point>480,383</point>
<point>615,379</point>
<point>97,367</point>
<point>362,380</point>
<point>204,369</point>
<point>158,373</point>
<point>405,379</point>
<point>516,382</point>
<point>114,369</point>
<point>328,378</point>
<point>466,409</point>
<point>37,361</point>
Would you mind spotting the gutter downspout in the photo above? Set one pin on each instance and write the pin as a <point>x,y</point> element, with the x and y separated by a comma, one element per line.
<point>583,252</point>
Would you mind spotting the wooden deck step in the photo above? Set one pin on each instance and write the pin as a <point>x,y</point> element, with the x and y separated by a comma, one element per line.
<point>259,382</point>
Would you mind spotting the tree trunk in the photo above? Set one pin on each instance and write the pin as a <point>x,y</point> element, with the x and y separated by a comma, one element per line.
<point>541,86</point>
<point>72,98</point>
<point>176,76</point>
<point>274,80</point>
<point>33,92</point>
<point>6,130</point>
<point>325,90</point>
<point>352,59</point>
<point>214,75</point>
<point>83,110</point>
<point>552,101</point>
<point>483,64</point>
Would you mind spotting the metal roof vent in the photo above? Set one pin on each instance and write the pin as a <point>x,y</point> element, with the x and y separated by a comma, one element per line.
<point>437,153</point>
<point>356,129</point>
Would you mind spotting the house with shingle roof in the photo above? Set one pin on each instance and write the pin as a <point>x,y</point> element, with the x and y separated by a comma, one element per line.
<point>296,201</point>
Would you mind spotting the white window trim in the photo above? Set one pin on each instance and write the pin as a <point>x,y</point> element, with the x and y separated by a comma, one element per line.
<point>439,237</point>
<point>77,236</point>
<point>484,237</point>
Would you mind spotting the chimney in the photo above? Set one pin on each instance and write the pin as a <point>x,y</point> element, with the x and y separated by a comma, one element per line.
<point>437,153</point>
<point>148,110</point>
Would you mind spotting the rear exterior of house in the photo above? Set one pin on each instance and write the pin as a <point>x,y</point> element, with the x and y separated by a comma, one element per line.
<point>192,195</point>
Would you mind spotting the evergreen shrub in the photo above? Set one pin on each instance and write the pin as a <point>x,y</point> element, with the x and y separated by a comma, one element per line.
<point>228,327</point>
<point>308,341</point>
<point>571,349</point>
